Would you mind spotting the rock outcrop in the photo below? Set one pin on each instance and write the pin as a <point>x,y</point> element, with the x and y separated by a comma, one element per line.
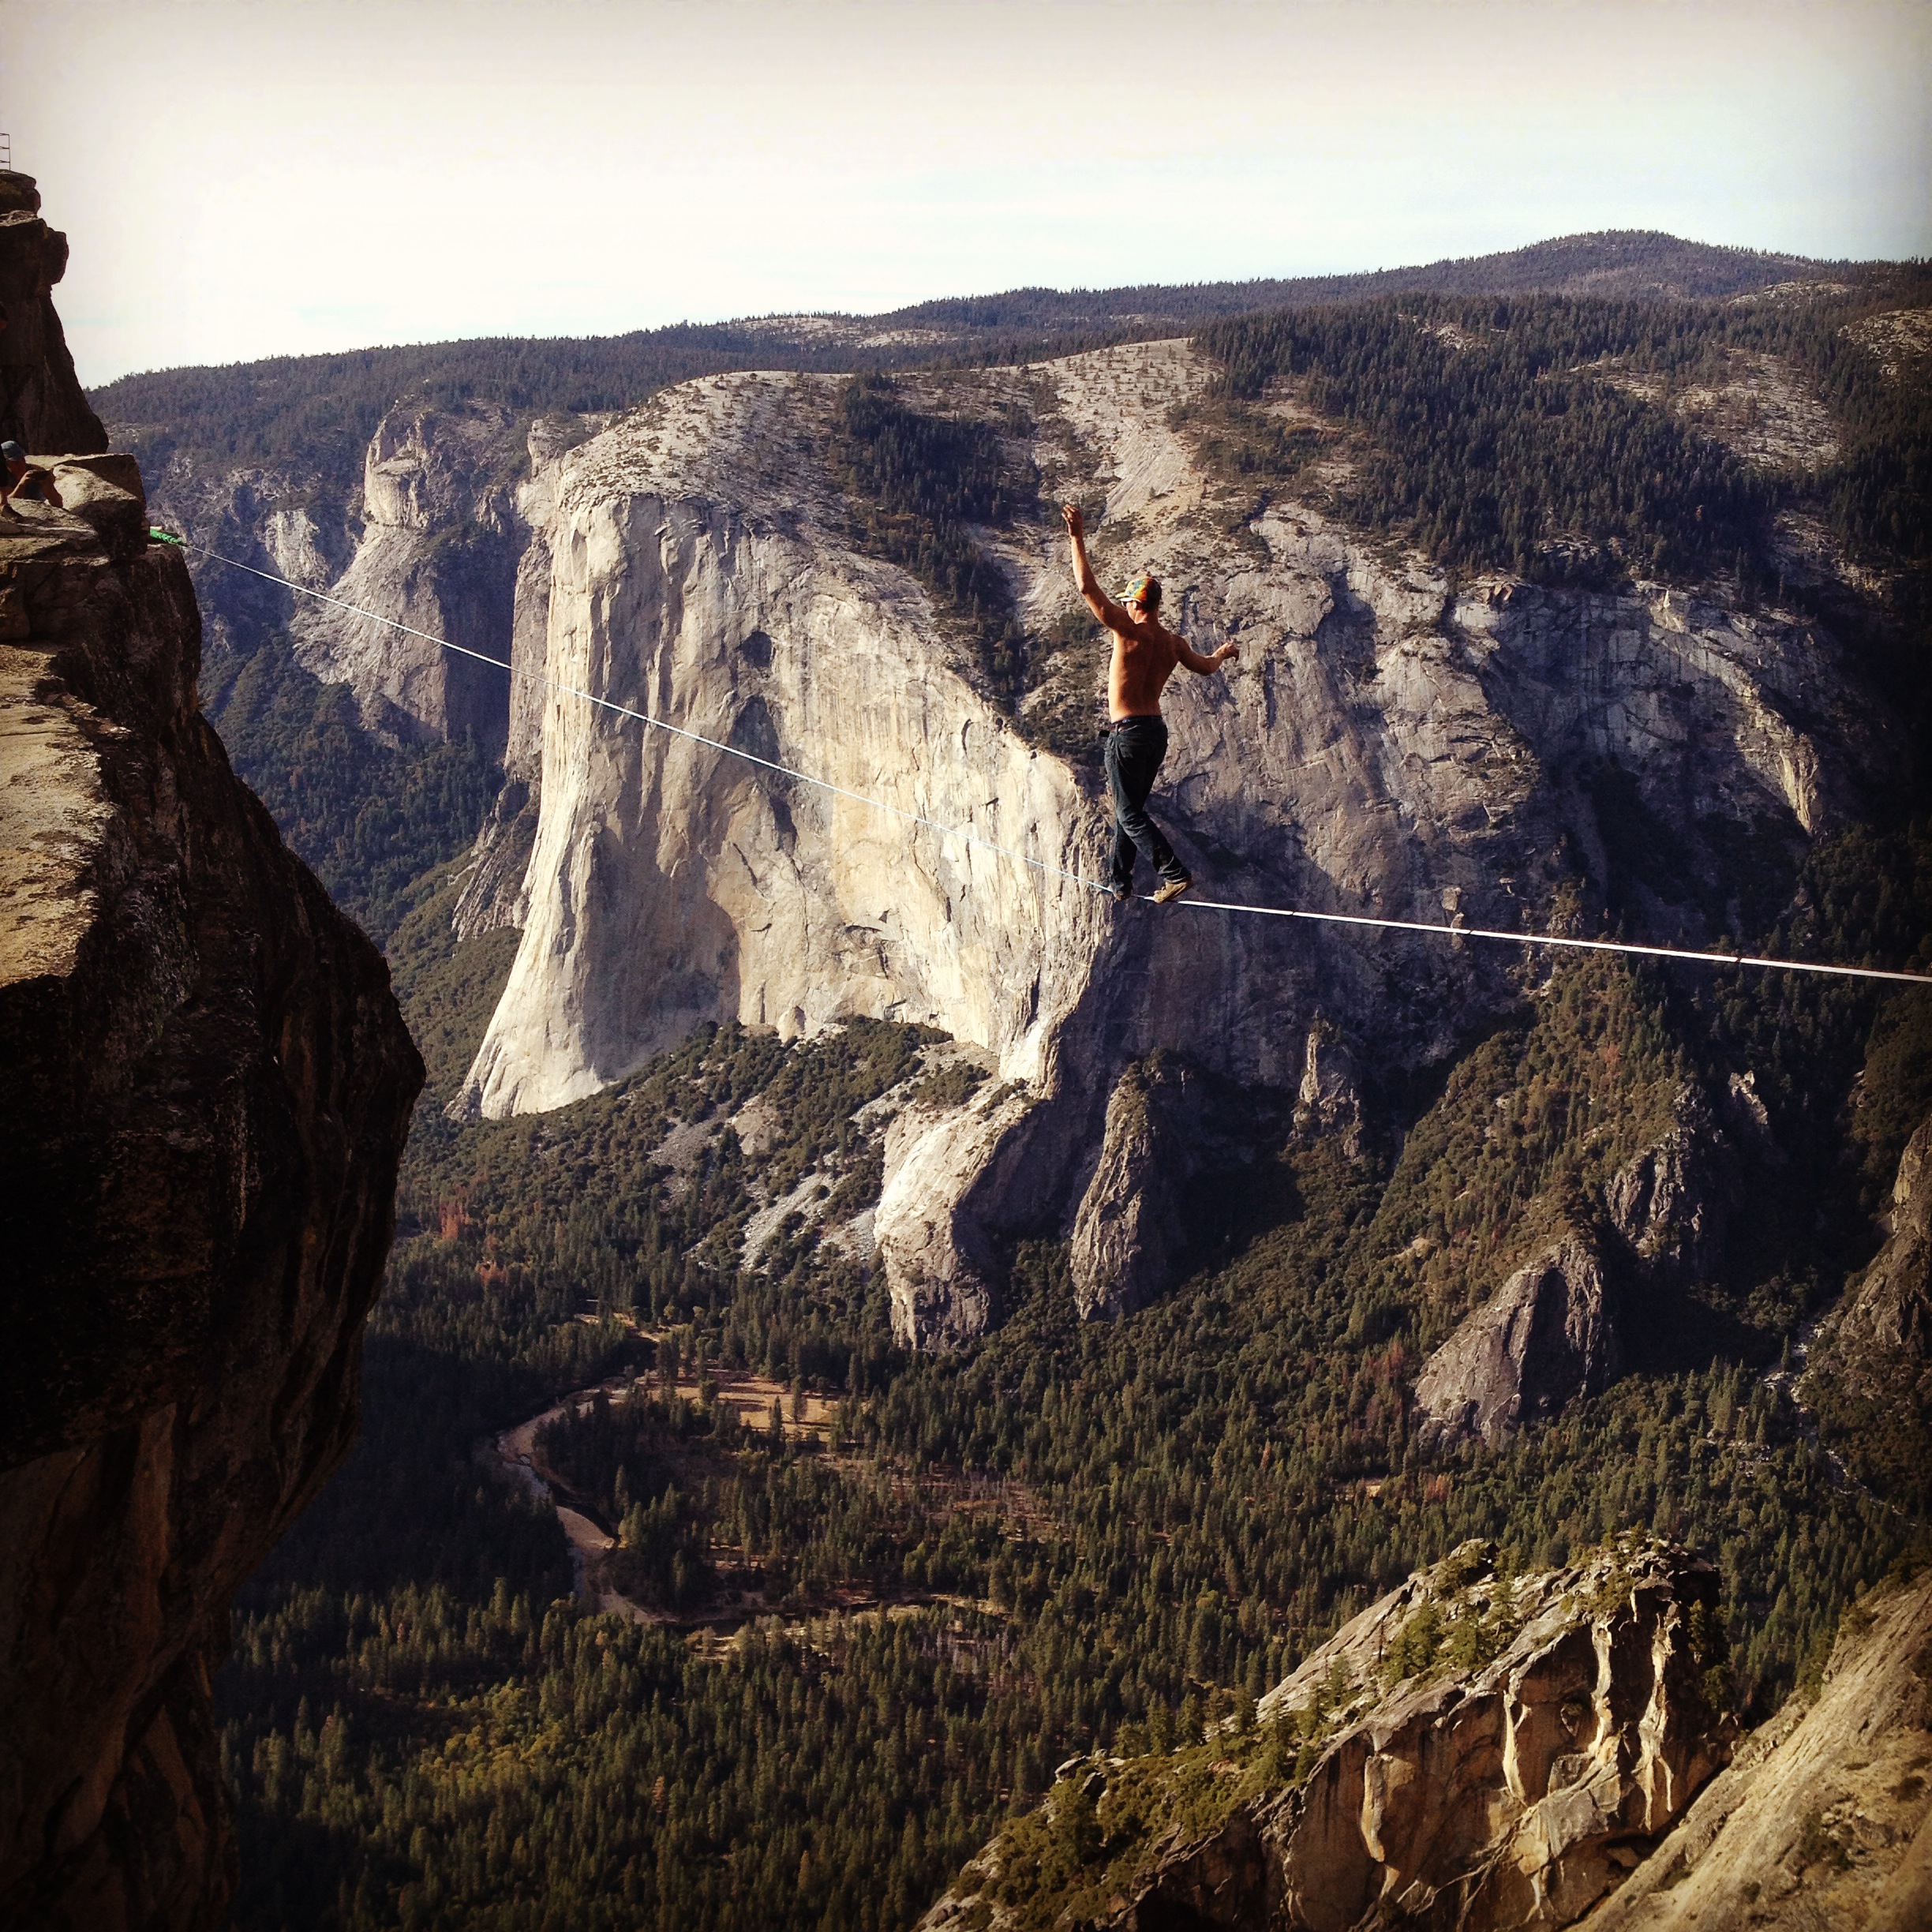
<point>1668,1202</point>
<point>1133,1222</point>
<point>1880,1347</point>
<point>1547,1334</point>
<point>1329,1099</point>
<point>1516,1792</point>
<point>1822,1822</point>
<point>205,1084</point>
<point>41,404</point>
<point>438,551</point>
<point>952,1175</point>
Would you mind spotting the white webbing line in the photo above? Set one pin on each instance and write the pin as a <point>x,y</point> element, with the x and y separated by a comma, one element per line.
<point>1042,865</point>
<point>677,730</point>
<point>1551,939</point>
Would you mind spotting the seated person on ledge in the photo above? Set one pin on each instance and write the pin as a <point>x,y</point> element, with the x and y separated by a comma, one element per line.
<point>1145,653</point>
<point>23,479</point>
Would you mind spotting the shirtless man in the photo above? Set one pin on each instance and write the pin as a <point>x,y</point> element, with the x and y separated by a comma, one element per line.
<point>1145,653</point>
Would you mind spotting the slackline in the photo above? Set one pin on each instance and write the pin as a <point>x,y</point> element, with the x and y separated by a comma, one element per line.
<point>1457,933</point>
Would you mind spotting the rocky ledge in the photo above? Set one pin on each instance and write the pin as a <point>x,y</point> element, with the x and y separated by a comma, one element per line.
<point>204,1085</point>
<point>1474,1750</point>
<point>1823,1820</point>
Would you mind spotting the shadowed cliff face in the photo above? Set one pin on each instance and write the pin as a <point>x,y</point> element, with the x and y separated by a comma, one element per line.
<point>41,405</point>
<point>1391,742</point>
<point>205,1084</point>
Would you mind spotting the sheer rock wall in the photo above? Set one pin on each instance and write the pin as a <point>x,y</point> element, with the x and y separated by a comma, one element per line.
<point>205,1084</point>
<point>1389,742</point>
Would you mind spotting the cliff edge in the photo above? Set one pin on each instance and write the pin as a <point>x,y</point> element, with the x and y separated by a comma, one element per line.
<point>204,1086</point>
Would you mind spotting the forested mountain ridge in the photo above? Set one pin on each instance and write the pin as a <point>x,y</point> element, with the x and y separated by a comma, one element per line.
<point>321,410</point>
<point>873,1637</point>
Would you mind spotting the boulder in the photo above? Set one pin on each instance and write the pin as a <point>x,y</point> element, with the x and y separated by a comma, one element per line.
<point>105,493</point>
<point>1547,1334</point>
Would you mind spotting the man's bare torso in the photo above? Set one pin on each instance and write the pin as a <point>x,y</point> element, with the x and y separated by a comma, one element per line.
<point>1146,653</point>
<point>1144,657</point>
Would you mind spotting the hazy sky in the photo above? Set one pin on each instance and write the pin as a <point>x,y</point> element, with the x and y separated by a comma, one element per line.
<point>290,175</point>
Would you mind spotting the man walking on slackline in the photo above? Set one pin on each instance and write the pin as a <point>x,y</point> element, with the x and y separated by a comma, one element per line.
<point>1145,653</point>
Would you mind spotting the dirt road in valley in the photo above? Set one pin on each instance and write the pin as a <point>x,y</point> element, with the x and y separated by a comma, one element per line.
<point>749,1397</point>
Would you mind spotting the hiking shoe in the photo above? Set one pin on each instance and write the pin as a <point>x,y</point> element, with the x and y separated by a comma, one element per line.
<point>1172,889</point>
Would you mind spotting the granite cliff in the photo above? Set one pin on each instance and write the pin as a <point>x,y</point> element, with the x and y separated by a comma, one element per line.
<point>1397,739</point>
<point>205,1084</point>
<point>1392,741</point>
<point>1823,1819</point>
<point>1586,1774</point>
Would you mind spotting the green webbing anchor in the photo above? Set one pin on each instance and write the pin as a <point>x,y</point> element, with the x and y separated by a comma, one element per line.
<point>161,536</point>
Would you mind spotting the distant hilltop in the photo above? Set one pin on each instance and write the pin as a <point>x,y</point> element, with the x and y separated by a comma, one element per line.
<point>326,406</point>
<point>1617,262</point>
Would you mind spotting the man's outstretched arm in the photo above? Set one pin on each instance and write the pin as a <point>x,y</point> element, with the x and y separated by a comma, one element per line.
<point>1184,653</point>
<point>1096,599</point>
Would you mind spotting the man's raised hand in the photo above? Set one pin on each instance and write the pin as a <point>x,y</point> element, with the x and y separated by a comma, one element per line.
<point>1076,523</point>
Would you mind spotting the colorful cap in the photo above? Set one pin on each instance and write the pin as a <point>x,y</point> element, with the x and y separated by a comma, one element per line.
<point>1145,590</point>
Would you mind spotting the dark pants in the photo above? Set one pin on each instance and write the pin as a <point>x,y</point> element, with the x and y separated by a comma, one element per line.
<point>1135,747</point>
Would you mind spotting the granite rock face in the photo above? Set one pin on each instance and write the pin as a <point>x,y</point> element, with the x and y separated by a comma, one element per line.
<point>1877,1349</point>
<point>42,407</point>
<point>1822,1821</point>
<point>1516,1793</point>
<point>1132,1227</point>
<point>1392,742</point>
<point>950,1175</point>
<point>1547,1334</point>
<point>205,1084</point>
